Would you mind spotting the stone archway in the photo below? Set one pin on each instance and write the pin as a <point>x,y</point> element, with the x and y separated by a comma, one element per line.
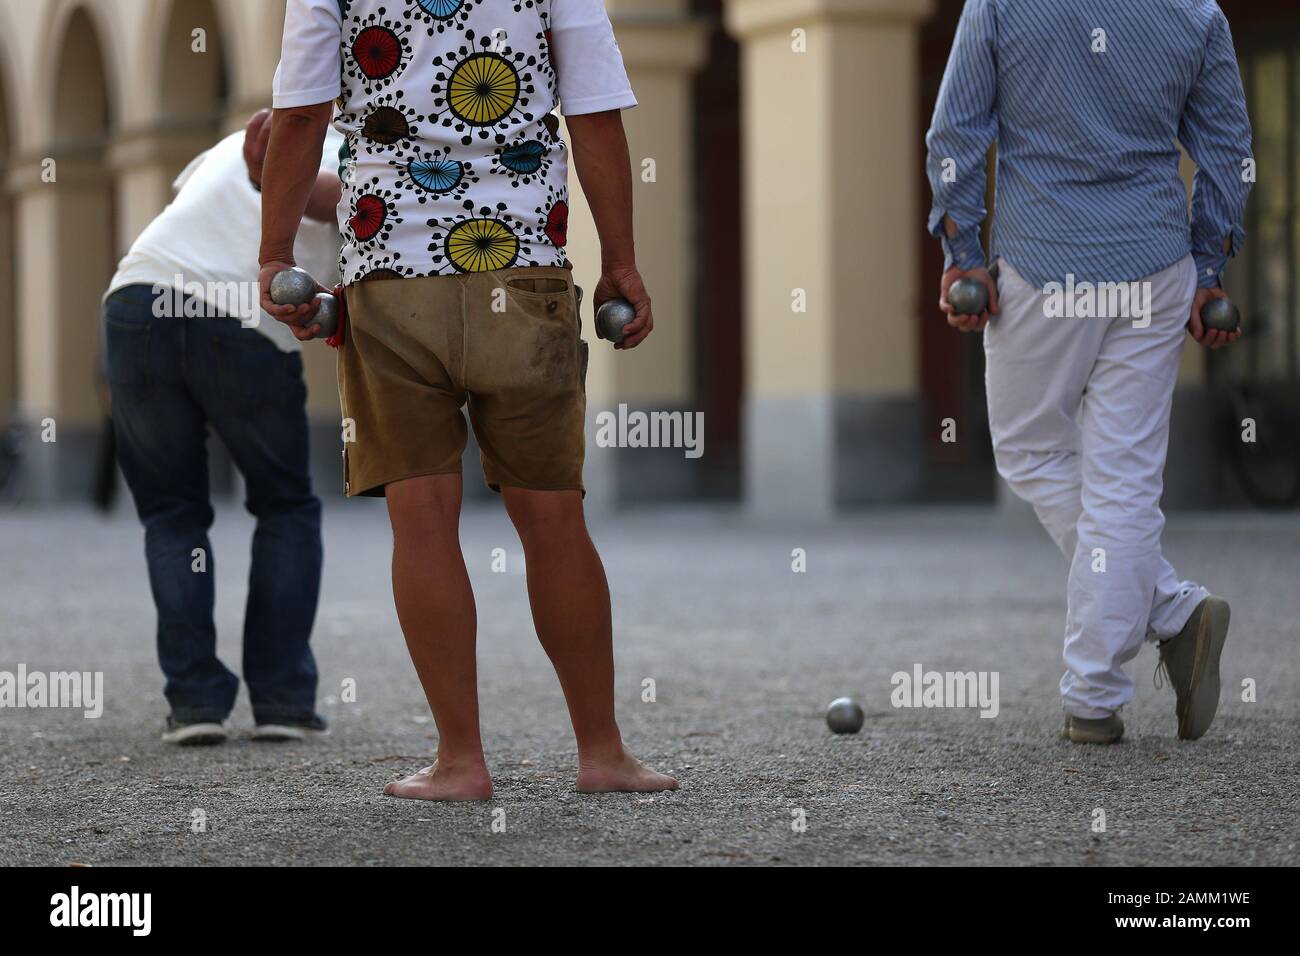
<point>63,195</point>
<point>193,61</point>
<point>81,133</point>
<point>194,85</point>
<point>183,101</point>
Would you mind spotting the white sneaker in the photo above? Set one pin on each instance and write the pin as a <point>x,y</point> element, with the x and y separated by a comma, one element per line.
<point>298,730</point>
<point>202,733</point>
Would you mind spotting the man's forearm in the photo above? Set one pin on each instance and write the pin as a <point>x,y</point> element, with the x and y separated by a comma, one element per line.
<point>600,157</point>
<point>957,144</point>
<point>1215,131</point>
<point>955,165</point>
<point>289,175</point>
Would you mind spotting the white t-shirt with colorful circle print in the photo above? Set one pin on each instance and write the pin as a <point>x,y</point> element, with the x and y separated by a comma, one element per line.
<point>453,160</point>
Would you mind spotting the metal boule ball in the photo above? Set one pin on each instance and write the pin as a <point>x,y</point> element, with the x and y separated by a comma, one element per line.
<point>845,716</point>
<point>1221,314</point>
<point>968,297</point>
<point>327,317</point>
<point>292,287</point>
<point>612,318</point>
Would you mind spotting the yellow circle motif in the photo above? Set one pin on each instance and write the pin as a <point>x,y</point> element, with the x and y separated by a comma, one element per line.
<point>481,245</point>
<point>483,89</point>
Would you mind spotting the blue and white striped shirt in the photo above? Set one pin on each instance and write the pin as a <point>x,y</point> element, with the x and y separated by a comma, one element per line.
<point>1085,99</point>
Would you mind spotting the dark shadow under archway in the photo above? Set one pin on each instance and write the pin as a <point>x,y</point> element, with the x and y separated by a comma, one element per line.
<point>718,298</point>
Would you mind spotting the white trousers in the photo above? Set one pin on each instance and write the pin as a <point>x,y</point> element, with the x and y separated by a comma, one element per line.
<point>1079,413</point>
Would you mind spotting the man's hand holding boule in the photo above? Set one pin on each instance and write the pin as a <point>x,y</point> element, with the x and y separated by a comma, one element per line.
<point>299,318</point>
<point>625,283</point>
<point>1210,338</point>
<point>968,323</point>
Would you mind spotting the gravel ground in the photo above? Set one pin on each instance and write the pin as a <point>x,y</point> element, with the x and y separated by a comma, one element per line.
<point>744,655</point>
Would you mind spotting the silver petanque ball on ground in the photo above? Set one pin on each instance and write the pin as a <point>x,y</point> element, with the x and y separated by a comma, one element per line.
<point>292,287</point>
<point>328,315</point>
<point>1220,314</point>
<point>968,297</point>
<point>612,318</point>
<point>844,716</point>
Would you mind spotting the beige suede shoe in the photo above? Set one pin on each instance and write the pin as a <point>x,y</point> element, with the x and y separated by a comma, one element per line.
<point>1103,730</point>
<point>1190,660</point>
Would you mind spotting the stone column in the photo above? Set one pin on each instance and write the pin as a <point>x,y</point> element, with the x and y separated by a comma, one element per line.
<point>833,153</point>
<point>58,307</point>
<point>662,49</point>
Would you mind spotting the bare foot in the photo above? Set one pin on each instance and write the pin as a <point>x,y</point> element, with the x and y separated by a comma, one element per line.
<point>436,783</point>
<point>621,774</point>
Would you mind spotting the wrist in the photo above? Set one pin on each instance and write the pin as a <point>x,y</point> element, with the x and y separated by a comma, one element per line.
<point>270,254</point>
<point>620,264</point>
<point>618,256</point>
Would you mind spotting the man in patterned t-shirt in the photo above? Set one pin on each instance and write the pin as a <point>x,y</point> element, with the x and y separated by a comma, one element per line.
<point>454,215</point>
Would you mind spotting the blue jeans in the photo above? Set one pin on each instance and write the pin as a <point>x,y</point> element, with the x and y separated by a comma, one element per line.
<point>172,379</point>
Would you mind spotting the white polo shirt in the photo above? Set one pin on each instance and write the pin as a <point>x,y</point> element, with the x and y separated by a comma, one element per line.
<point>454,158</point>
<point>210,234</point>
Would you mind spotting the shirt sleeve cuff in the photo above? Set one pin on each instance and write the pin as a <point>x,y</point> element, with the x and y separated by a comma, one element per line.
<point>1209,272</point>
<point>964,250</point>
<point>292,98</point>
<point>598,104</point>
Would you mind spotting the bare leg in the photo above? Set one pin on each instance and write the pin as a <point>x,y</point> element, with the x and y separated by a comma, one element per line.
<point>570,602</point>
<point>435,606</point>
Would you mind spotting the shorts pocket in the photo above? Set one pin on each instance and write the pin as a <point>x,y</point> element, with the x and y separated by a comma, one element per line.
<point>542,292</point>
<point>544,286</point>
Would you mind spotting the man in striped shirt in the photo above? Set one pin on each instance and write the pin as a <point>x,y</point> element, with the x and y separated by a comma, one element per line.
<point>1097,271</point>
